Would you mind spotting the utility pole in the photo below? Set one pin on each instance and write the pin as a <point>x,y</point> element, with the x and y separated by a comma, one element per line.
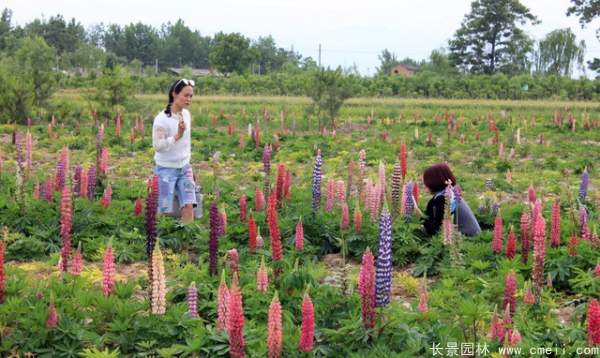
<point>319,55</point>
<point>156,65</point>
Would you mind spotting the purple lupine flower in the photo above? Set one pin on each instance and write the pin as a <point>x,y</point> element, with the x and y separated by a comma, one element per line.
<point>489,184</point>
<point>91,182</point>
<point>396,186</point>
<point>457,193</point>
<point>192,300</point>
<point>150,217</point>
<point>213,242</point>
<point>383,275</point>
<point>408,200</point>
<point>583,187</point>
<point>77,180</point>
<point>316,182</point>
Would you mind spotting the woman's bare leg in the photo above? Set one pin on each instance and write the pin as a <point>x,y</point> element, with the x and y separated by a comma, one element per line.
<point>187,214</point>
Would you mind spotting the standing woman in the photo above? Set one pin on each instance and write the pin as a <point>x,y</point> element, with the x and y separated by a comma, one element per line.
<point>171,139</point>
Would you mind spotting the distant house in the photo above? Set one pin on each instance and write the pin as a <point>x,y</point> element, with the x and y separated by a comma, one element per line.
<point>195,71</point>
<point>403,70</point>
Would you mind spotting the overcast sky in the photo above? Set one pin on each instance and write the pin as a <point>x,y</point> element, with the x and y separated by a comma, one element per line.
<point>349,32</point>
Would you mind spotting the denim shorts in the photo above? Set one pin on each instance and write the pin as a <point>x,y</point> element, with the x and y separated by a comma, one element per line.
<point>173,181</point>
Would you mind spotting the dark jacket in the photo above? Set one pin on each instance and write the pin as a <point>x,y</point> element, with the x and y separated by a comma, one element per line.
<point>434,214</point>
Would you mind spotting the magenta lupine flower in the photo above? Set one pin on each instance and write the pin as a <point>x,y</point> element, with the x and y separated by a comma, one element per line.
<point>103,161</point>
<point>525,234</point>
<point>108,271</point>
<point>307,330</point>
<point>583,186</point>
<point>234,261</point>
<point>52,320</point>
<point>345,221</point>
<point>555,224</point>
<point>531,194</point>
<point>510,291</point>
<point>150,216</point>
<point>213,243</point>
<point>77,266</point>
<point>539,255</point>
<point>366,288</point>
<point>222,303</point>
<point>396,187</point>
<point>91,182</point>
<point>274,328</point>
<point>106,197</point>
<point>330,194</point>
<point>77,180</point>
<point>340,192</point>
<point>262,277</point>
<point>583,219</point>
<point>66,221</point>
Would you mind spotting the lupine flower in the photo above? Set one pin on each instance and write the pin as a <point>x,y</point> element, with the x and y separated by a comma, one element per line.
<point>497,241</point>
<point>382,181</point>
<point>36,190</point>
<point>234,261</point>
<point>307,329</point>
<point>357,218</point>
<point>262,277</point>
<point>235,322</point>
<point>408,204</point>
<point>280,183</point>
<point>275,332</point>
<point>316,182</point>
<point>251,233</point>
<point>497,331</point>
<point>340,192</point>
<point>583,186</point>
<point>583,219</point>
<point>597,270</point>
<point>555,224</point>
<point>423,297</point>
<point>77,266</point>
<point>416,192</point>
<point>108,270</point>
<point>366,288</point>
<point>447,226</point>
<point>266,157</point>
<point>213,243</point>
<point>243,208</point>
<point>330,194</point>
<point>150,217</point>
<point>52,320</point>
<point>539,255</point>
<point>83,186</point>
<point>106,197</point>
<point>537,211</point>
<point>384,259</point>
<point>525,233</point>
<point>77,180</point>
<point>593,322</point>
<point>48,189</point>
<point>137,211</point>
<point>223,218</point>
<point>274,234</point>
<point>28,150</point>
<point>259,200</point>
<point>103,161</point>
<point>222,303</point>
<point>511,244</point>
<point>510,291</point>
<point>91,182</point>
<point>457,193</point>
<point>118,125</point>
<point>531,193</point>
<point>66,221</point>
<point>159,286</point>
<point>62,168</point>
<point>299,238</point>
<point>403,163</point>
<point>192,300</point>
<point>573,245</point>
<point>2,273</point>
<point>528,296</point>
<point>396,187</point>
<point>287,193</point>
<point>345,220</point>
<point>515,337</point>
<point>259,239</point>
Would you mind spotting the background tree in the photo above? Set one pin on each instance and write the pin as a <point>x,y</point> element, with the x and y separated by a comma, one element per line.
<point>230,53</point>
<point>328,90</point>
<point>558,53</point>
<point>387,61</point>
<point>587,10</point>
<point>489,38</point>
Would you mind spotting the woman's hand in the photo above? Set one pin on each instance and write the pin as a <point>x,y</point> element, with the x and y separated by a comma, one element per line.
<point>180,130</point>
<point>417,210</point>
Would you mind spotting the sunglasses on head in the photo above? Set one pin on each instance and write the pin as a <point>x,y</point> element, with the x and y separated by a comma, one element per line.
<point>186,82</point>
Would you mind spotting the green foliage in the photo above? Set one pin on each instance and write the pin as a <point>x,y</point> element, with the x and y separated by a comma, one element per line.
<point>328,90</point>
<point>230,53</point>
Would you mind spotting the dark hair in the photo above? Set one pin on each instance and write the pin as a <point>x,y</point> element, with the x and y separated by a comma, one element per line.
<point>176,87</point>
<point>436,176</point>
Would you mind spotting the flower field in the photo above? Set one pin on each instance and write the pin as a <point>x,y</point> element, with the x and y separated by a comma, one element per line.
<point>309,244</point>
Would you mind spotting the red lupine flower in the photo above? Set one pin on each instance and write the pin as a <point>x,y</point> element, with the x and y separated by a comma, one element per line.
<point>496,328</point>
<point>274,335</point>
<point>357,219</point>
<point>511,244</point>
<point>138,207</point>
<point>330,194</point>
<point>597,270</point>
<point>280,183</point>
<point>593,322</point>
<point>66,220</point>
<point>510,291</point>
<point>531,194</point>
<point>299,236</point>
<point>243,208</point>
<point>345,221</point>
<point>77,261</point>
<point>539,255</point>
<point>555,224</point>
<point>259,200</point>
<point>274,234</point>
<point>235,322</point>
<point>251,233</point>
<point>108,271</point>
<point>340,192</point>
<point>307,330</point>
<point>497,240</point>
<point>103,161</point>
<point>525,233</point>
<point>366,288</point>
<point>52,320</point>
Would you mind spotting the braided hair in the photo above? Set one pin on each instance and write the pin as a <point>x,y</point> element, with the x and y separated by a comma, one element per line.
<point>176,87</point>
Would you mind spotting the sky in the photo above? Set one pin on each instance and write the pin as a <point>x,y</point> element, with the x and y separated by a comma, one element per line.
<point>350,32</point>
